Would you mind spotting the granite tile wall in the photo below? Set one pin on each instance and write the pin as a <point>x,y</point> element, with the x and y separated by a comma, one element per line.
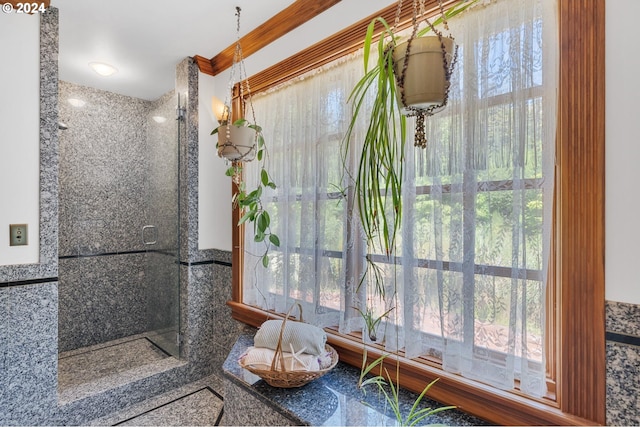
<point>29,354</point>
<point>104,192</point>
<point>118,174</point>
<point>29,293</point>
<point>89,237</point>
<point>208,271</point>
<point>623,363</point>
<point>212,330</point>
<point>102,298</point>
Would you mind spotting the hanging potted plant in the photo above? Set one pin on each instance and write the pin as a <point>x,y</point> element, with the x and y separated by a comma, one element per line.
<point>242,141</point>
<point>237,141</point>
<point>409,78</point>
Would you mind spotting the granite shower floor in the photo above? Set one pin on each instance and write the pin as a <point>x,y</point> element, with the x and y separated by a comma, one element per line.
<point>114,359</point>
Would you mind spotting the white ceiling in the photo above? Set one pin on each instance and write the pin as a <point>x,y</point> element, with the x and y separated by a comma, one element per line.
<point>145,39</point>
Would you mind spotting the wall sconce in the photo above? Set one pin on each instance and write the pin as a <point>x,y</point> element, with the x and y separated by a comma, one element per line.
<point>220,111</point>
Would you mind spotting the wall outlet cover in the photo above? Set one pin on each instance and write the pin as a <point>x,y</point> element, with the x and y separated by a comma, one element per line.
<point>18,235</point>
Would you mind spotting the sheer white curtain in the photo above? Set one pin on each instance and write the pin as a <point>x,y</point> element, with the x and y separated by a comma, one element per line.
<point>304,122</point>
<point>481,219</point>
<point>469,283</point>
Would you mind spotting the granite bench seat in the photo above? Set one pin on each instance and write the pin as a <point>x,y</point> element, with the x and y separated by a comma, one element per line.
<point>331,400</point>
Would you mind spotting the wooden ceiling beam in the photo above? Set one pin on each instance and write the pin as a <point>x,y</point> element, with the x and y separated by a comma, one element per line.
<point>280,24</point>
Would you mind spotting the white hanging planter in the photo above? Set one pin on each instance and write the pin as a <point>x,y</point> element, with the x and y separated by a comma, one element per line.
<point>239,144</point>
<point>425,80</point>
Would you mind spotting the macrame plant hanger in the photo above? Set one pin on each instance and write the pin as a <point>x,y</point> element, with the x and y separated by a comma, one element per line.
<point>241,153</point>
<point>421,113</point>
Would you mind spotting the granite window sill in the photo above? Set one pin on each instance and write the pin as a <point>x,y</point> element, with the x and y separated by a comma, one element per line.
<point>333,399</point>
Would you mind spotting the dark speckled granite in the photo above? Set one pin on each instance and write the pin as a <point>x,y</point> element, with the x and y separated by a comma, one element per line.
<point>623,318</point>
<point>623,365</point>
<point>331,400</point>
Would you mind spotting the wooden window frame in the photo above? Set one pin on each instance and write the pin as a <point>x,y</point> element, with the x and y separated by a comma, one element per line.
<point>578,265</point>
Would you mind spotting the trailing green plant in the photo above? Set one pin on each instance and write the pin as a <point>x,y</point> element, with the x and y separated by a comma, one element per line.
<point>380,168</point>
<point>378,178</point>
<point>250,200</point>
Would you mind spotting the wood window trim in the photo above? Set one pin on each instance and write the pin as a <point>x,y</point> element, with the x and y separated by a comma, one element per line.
<point>272,29</point>
<point>578,267</point>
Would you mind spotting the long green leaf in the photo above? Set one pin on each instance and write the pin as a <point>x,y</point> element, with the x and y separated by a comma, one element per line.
<point>377,380</point>
<point>367,368</point>
<point>275,241</point>
<point>248,215</point>
<point>263,221</point>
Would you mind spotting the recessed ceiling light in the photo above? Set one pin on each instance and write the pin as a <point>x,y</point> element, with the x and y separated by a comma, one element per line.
<point>76,102</point>
<point>159,119</point>
<point>103,69</point>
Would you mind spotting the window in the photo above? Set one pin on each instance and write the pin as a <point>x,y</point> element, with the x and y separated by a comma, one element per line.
<point>491,187</point>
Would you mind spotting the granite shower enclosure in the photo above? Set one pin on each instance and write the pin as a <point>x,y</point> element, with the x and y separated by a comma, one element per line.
<point>118,218</point>
<point>35,301</point>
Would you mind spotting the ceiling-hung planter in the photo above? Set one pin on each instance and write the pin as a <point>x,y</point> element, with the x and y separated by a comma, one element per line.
<point>410,77</point>
<point>423,66</point>
<point>241,141</point>
<point>238,142</point>
<point>425,84</point>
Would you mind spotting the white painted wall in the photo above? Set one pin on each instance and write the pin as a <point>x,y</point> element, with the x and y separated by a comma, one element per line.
<point>622,201</point>
<point>214,187</point>
<point>19,134</point>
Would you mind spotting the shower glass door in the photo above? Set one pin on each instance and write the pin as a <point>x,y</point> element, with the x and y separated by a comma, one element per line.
<point>161,232</point>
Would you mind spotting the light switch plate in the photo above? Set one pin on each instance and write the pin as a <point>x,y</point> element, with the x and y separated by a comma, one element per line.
<point>18,235</point>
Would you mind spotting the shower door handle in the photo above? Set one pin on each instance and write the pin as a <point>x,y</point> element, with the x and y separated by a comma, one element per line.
<point>154,235</point>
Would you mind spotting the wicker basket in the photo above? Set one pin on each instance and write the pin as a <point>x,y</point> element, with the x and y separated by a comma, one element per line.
<point>289,379</point>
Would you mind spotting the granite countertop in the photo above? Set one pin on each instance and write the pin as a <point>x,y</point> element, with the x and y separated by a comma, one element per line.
<point>333,399</point>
